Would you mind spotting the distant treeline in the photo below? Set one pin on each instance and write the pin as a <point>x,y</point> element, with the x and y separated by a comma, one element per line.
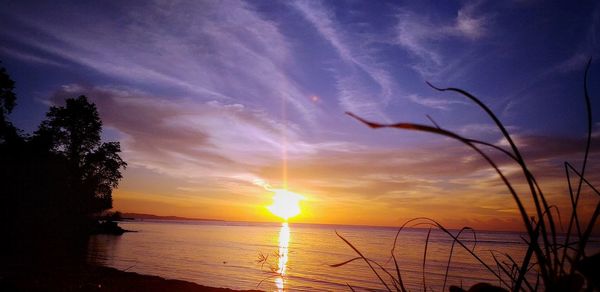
<point>54,181</point>
<point>157,217</point>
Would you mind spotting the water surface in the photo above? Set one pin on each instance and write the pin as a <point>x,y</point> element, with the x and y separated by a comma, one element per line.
<point>227,254</point>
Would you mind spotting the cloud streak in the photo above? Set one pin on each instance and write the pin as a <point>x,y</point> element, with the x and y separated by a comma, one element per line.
<point>360,71</point>
<point>211,56</point>
<point>187,138</point>
<point>422,36</point>
<point>30,58</point>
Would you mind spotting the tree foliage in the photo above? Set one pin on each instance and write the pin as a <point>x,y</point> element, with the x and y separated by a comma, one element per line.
<point>7,94</point>
<point>74,129</point>
<point>53,182</point>
<point>73,133</point>
<point>7,103</point>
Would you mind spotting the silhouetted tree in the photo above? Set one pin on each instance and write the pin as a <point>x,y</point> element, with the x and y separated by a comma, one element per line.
<point>7,95</point>
<point>54,182</point>
<point>73,132</point>
<point>101,174</point>
<point>7,103</point>
<point>9,156</point>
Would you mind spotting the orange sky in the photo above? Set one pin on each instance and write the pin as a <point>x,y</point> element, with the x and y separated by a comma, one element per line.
<point>359,186</point>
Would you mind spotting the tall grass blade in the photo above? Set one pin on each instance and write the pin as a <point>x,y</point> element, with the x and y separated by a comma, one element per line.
<point>555,272</point>
<point>366,260</point>
<point>585,158</point>
<point>436,224</point>
<point>452,252</point>
<point>520,161</point>
<point>398,274</point>
<point>345,262</point>
<point>433,122</point>
<point>394,280</point>
<point>424,128</point>
<point>351,289</point>
<point>425,259</point>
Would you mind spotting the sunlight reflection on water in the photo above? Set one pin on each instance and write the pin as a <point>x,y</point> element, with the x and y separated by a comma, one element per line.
<point>284,243</point>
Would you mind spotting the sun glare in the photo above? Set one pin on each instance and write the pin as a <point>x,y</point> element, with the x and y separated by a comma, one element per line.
<point>285,204</point>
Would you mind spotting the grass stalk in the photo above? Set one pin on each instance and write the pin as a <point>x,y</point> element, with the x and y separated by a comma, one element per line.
<point>588,106</point>
<point>425,259</point>
<point>554,271</point>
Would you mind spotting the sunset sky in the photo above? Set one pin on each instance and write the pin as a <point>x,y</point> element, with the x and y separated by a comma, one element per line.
<point>211,100</point>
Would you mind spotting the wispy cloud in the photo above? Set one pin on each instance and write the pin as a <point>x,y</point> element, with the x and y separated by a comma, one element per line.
<point>575,62</point>
<point>428,180</point>
<point>361,70</point>
<point>435,103</point>
<point>583,50</point>
<point>190,139</point>
<point>421,35</point>
<point>469,22</point>
<point>30,58</point>
<point>228,146</point>
<point>210,55</point>
<point>212,142</point>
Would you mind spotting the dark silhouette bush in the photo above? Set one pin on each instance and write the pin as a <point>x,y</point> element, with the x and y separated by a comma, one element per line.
<point>54,182</point>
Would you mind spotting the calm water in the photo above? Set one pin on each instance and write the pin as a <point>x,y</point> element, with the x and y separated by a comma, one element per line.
<point>226,254</point>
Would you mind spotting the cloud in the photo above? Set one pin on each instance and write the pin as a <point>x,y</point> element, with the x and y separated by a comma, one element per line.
<point>406,183</point>
<point>585,50</point>
<point>435,103</point>
<point>355,96</point>
<point>361,70</point>
<point>185,138</point>
<point>469,23</point>
<point>30,58</point>
<point>574,63</point>
<point>448,180</point>
<point>210,143</point>
<point>420,35</point>
<point>222,150</point>
<point>558,148</point>
<point>226,51</point>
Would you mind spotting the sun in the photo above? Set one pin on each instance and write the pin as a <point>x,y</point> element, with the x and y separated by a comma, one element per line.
<point>286,204</point>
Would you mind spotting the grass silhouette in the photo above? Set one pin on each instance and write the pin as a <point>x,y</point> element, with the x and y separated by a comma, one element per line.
<point>558,265</point>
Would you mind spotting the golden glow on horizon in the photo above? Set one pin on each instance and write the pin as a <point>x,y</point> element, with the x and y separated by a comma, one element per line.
<point>286,204</point>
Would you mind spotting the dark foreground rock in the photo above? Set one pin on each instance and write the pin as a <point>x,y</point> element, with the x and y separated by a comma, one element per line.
<point>108,227</point>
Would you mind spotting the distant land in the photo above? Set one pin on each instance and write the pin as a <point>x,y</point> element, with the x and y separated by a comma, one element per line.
<point>157,217</point>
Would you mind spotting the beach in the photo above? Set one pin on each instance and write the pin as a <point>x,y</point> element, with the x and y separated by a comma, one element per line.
<point>93,278</point>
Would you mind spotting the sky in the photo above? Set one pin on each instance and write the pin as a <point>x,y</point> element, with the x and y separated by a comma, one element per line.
<point>214,100</point>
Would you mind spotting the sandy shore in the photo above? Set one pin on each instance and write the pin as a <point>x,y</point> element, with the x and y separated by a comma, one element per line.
<point>92,278</point>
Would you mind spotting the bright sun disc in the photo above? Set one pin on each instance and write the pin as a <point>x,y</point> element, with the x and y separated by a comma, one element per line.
<point>285,204</point>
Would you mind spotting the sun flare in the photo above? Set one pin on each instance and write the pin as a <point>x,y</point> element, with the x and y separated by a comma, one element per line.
<point>286,204</point>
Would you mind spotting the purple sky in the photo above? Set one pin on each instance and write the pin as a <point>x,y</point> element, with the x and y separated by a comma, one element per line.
<point>207,97</point>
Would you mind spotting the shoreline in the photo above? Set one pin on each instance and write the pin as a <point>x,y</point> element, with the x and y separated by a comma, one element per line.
<point>94,278</point>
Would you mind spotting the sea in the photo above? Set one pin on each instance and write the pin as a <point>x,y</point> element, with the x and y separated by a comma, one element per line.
<point>303,257</point>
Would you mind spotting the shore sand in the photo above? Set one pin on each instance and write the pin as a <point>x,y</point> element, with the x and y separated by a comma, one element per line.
<point>93,278</point>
